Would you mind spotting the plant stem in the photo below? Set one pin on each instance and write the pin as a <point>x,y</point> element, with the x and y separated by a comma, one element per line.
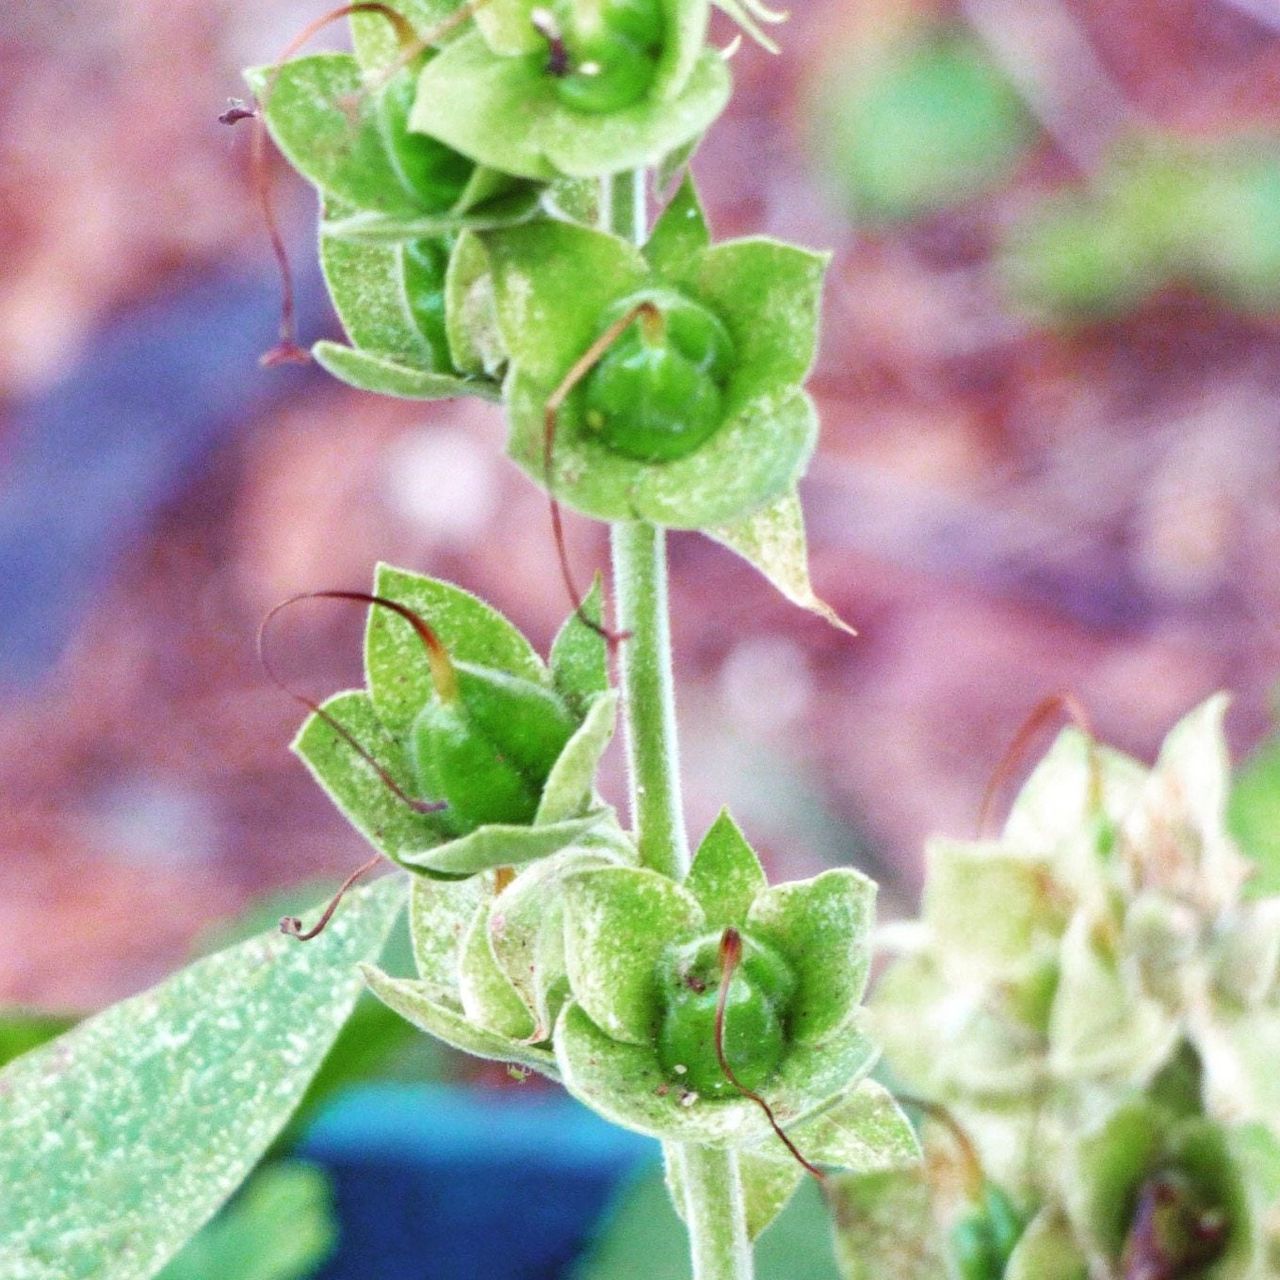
<point>715,1210</point>
<point>716,1213</point>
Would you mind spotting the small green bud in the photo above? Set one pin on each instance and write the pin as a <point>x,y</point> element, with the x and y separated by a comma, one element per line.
<point>657,393</point>
<point>754,1035</point>
<point>433,172</point>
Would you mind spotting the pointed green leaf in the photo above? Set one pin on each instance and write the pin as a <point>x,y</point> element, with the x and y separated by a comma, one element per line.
<point>580,654</point>
<point>885,1227</point>
<point>571,783</point>
<point>489,1001</point>
<point>618,922</point>
<point>497,845</point>
<point>526,930</point>
<point>822,927</point>
<point>865,1133</point>
<point>384,377</point>
<point>773,540</point>
<point>440,914</point>
<point>390,825</point>
<point>471,631</point>
<point>726,876</point>
<point>680,233</point>
<point>626,1085</point>
<point>1047,1250</point>
<point>506,209</point>
<point>322,117</point>
<point>770,296</point>
<point>121,1138</point>
<point>366,283</point>
<point>413,1002</point>
<point>537,270</point>
<point>504,112</point>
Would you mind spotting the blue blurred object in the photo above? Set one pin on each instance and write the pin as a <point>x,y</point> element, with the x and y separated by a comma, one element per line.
<point>435,1182</point>
<point>92,460</point>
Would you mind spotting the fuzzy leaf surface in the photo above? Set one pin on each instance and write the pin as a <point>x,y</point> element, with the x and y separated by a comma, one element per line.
<point>726,876</point>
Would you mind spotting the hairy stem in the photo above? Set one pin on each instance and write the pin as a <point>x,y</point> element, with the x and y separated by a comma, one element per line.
<point>714,1208</point>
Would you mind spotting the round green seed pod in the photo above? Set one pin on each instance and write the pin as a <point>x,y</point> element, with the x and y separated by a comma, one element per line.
<point>487,750</point>
<point>754,1018</point>
<point>611,51</point>
<point>433,172</point>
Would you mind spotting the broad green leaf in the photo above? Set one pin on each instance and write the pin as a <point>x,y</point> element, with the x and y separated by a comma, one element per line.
<point>772,539</point>
<point>488,999</point>
<point>769,294</point>
<point>471,314</point>
<point>1253,815</point>
<point>680,233</point>
<point>756,456</point>
<point>990,907</point>
<point>726,876</point>
<point>366,283</point>
<point>571,783</point>
<point>280,1227</point>
<point>822,927</point>
<point>867,1132</point>
<point>412,1001</point>
<point>385,377</point>
<point>354,785</point>
<point>1047,1251</point>
<point>496,845</point>
<point>471,631</point>
<point>580,653</point>
<point>526,930</point>
<point>323,118</point>
<point>626,1084</point>
<point>885,1227</point>
<point>440,913</point>
<point>553,283</point>
<point>618,922</point>
<point>121,1138</point>
<point>504,112</point>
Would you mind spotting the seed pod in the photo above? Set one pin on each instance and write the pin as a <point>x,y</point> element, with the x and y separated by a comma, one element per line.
<point>657,393</point>
<point>754,1036</point>
<point>604,56</point>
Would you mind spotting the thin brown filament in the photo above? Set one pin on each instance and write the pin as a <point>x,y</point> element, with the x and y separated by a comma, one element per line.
<point>291,926</point>
<point>415,45</point>
<point>730,958</point>
<point>384,774</point>
<point>974,1175</point>
<point>550,422</point>
<point>288,350</point>
<point>1044,712</point>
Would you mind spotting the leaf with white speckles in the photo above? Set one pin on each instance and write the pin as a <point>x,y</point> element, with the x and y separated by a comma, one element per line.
<point>385,377</point>
<point>773,540</point>
<point>121,1138</point>
<point>570,784</point>
<point>726,876</point>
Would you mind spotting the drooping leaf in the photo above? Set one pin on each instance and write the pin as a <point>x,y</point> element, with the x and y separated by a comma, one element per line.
<point>773,540</point>
<point>497,845</point>
<point>384,377</point>
<point>726,876</point>
<point>121,1138</point>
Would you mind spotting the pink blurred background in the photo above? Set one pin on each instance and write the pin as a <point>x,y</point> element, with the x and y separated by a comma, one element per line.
<point>1005,507</point>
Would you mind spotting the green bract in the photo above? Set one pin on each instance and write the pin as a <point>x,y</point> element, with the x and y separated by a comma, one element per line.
<point>558,287</point>
<point>637,1040</point>
<point>1095,999</point>
<point>520,110</point>
<point>513,756</point>
<point>393,202</point>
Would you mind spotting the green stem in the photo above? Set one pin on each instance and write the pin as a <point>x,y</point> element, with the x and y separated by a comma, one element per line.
<point>716,1213</point>
<point>714,1207</point>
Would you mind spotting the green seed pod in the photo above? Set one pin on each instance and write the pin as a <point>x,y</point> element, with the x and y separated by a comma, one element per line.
<point>658,393</point>
<point>754,1037</point>
<point>604,57</point>
<point>424,263</point>
<point>433,172</point>
<point>484,744</point>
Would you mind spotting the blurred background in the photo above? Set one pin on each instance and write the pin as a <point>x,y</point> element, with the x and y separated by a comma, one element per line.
<point>1050,394</point>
